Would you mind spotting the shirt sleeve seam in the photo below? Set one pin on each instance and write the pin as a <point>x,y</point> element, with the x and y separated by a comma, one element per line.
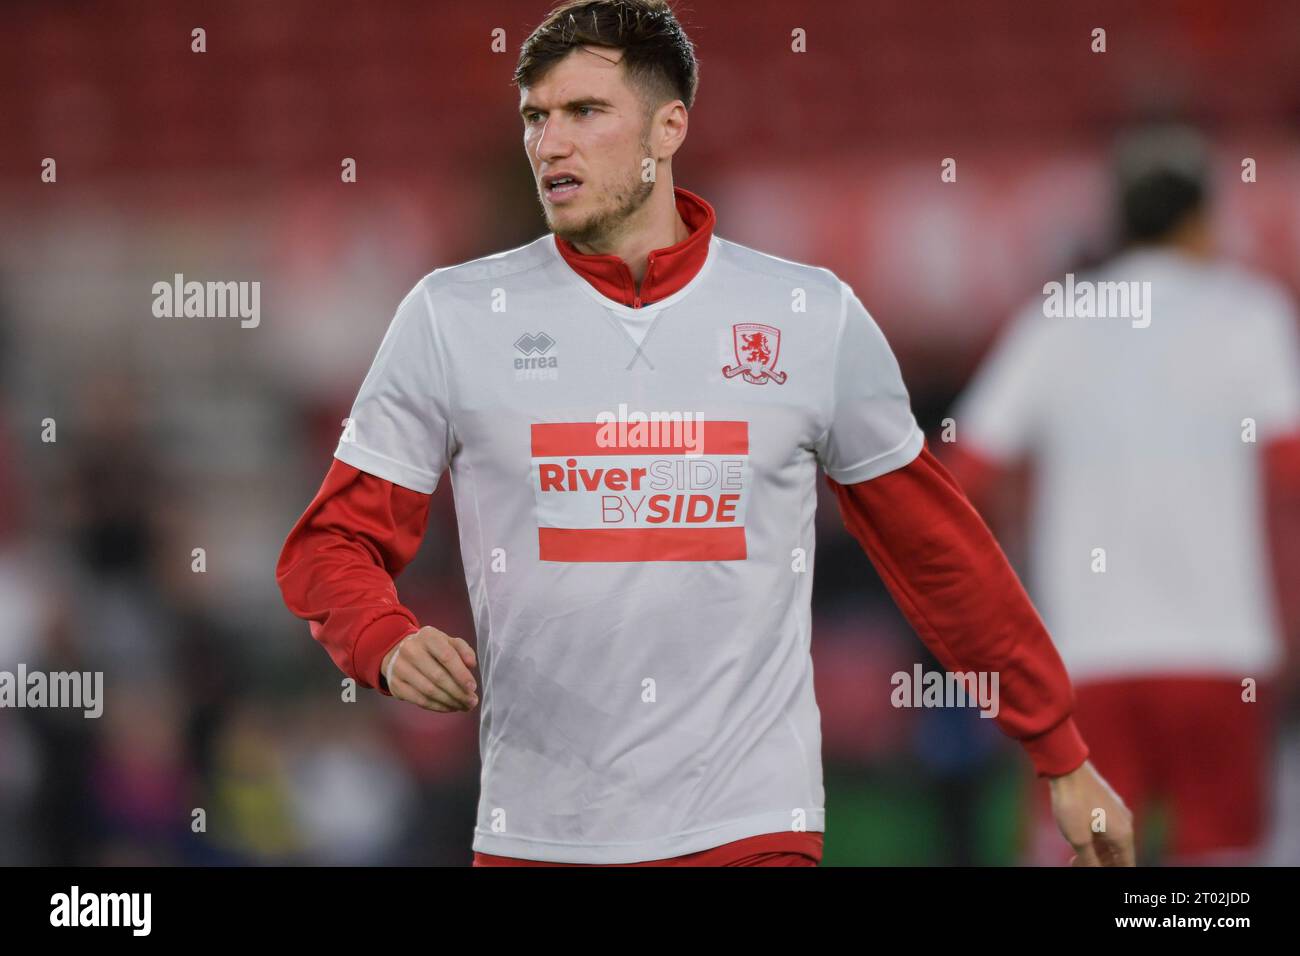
<point>910,437</point>
<point>346,450</point>
<point>835,371</point>
<point>376,454</point>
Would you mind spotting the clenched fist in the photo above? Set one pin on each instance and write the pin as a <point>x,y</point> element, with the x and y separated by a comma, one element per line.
<point>432,669</point>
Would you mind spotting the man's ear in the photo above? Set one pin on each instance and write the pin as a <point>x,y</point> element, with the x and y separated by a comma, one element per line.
<point>669,128</point>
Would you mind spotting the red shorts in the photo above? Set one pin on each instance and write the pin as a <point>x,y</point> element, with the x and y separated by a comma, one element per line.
<point>1191,743</point>
<point>767,849</point>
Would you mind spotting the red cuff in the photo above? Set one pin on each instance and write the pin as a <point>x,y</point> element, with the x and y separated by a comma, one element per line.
<point>1058,751</point>
<point>373,646</point>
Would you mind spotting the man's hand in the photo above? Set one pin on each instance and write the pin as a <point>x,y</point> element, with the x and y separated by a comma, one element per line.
<point>432,669</point>
<point>1093,818</point>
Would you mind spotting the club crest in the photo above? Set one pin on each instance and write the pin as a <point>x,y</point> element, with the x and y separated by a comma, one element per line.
<point>757,347</point>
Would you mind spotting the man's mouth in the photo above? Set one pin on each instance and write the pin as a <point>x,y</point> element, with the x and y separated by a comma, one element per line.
<point>560,185</point>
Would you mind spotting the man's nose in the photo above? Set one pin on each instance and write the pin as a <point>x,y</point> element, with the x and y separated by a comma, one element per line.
<point>553,142</point>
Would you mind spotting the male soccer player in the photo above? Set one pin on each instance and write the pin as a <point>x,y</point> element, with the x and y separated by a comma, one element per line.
<point>633,411</point>
<point>1161,439</point>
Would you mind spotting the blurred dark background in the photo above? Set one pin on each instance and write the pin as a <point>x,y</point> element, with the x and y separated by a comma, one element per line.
<point>175,434</point>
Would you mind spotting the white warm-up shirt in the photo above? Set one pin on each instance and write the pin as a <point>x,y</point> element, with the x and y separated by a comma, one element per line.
<point>1136,435</point>
<point>641,589</point>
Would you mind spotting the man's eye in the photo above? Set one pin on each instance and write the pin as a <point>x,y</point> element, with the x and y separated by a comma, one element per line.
<point>585,111</point>
<point>532,117</point>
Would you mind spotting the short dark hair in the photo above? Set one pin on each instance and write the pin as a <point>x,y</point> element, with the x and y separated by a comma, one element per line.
<point>1162,180</point>
<point>657,54</point>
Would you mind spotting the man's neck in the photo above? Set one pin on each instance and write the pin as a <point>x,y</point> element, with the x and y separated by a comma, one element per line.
<point>655,225</point>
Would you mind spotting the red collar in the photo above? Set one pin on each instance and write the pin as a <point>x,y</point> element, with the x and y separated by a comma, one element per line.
<point>667,270</point>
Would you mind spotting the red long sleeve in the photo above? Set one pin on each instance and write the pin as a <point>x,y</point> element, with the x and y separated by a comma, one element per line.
<point>337,567</point>
<point>976,475</point>
<point>1281,472</point>
<point>949,577</point>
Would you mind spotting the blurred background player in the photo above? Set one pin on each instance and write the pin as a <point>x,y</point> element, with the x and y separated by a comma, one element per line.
<point>1164,472</point>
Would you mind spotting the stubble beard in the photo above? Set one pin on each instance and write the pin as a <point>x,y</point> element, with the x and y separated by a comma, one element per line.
<point>601,227</point>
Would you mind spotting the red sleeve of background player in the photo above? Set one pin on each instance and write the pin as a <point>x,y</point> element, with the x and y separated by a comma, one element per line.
<point>1281,471</point>
<point>956,588</point>
<point>337,567</point>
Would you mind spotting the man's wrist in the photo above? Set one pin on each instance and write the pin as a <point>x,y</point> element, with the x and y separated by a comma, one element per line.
<point>373,645</point>
<point>1054,779</point>
<point>390,659</point>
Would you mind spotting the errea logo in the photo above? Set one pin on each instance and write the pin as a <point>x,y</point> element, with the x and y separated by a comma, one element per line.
<point>537,358</point>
